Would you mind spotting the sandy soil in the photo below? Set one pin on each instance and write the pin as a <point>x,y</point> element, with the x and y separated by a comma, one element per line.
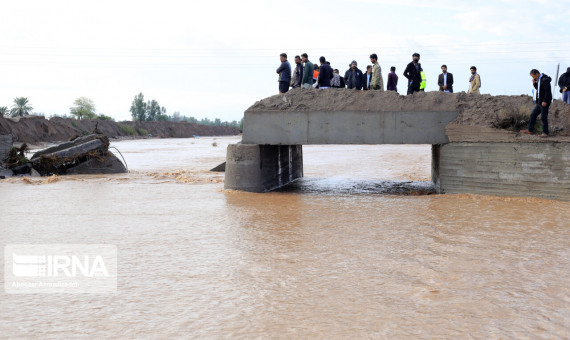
<point>474,110</point>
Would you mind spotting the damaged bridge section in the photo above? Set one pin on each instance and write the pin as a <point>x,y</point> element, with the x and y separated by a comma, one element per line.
<point>83,155</point>
<point>471,153</point>
<point>270,155</point>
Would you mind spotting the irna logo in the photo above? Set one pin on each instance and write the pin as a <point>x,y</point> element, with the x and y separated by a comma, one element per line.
<point>58,266</point>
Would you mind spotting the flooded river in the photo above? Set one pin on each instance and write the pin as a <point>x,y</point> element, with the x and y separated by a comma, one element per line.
<point>356,249</point>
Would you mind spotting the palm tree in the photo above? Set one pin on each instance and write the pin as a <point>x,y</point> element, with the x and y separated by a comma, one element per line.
<point>21,107</point>
<point>3,111</point>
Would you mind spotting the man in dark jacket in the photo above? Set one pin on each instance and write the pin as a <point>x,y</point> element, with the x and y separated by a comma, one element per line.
<point>392,84</point>
<point>541,83</point>
<point>298,74</point>
<point>284,71</point>
<point>445,80</point>
<point>413,73</point>
<point>308,69</point>
<point>325,74</point>
<point>354,77</point>
<point>564,84</point>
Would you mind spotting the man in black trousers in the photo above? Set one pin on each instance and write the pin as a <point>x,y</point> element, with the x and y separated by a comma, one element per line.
<point>541,83</point>
<point>445,80</point>
<point>413,73</point>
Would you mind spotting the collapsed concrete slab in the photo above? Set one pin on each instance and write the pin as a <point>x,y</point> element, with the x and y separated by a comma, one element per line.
<point>83,155</point>
<point>108,164</point>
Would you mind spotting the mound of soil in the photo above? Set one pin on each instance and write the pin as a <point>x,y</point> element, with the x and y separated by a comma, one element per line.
<point>474,110</point>
<point>36,129</point>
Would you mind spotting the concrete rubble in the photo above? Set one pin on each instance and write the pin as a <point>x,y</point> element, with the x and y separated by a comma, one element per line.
<point>83,155</point>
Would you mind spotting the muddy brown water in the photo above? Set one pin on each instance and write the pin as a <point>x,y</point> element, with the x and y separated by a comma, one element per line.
<point>357,249</point>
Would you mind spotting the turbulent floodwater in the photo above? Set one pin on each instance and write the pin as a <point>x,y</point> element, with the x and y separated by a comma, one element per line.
<point>356,249</point>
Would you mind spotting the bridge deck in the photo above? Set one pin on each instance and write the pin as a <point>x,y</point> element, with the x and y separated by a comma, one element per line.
<point>294,128</point>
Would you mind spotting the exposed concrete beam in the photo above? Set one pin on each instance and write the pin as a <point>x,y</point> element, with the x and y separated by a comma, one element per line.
<point>289,128</point>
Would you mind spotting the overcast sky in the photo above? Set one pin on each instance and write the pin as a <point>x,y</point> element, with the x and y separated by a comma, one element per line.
<point>216,58</point>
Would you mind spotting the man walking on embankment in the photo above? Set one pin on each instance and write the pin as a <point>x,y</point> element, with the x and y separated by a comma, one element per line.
<point>541,83</point>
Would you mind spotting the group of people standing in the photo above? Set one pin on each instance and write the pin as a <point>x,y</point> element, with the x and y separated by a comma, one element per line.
<point>322,76</point>
<point>307,75</point>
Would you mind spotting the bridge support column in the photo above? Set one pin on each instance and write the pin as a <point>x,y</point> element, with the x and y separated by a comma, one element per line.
<point>261,168</point>
<point>435,155</point>
<point>537,169</point>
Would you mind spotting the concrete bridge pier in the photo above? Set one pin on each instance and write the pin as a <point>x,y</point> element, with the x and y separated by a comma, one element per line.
<point>435,156</point>
<point>261,168</point>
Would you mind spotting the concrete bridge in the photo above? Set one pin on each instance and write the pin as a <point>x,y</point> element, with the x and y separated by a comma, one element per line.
<point>270,154</point>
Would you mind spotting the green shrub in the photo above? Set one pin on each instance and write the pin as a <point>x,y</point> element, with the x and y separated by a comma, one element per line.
<point>142,132</point>
<point>511,118</point>
<point>128,130</point>
<point>105,117</point>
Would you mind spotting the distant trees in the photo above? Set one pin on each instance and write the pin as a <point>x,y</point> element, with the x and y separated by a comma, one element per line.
<point>149,111</point>
<point>138,108</point>
<point>84,108</point>
<point>154,111</point>
<point>177,117</point>
<point>21,107</point>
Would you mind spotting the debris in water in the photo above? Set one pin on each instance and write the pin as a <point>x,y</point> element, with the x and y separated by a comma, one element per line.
<point>83,155</point>
<point>219,168</point>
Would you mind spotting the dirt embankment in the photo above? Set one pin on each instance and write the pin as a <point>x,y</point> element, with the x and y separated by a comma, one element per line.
<point>38,129</point>
<point>499,112</point>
